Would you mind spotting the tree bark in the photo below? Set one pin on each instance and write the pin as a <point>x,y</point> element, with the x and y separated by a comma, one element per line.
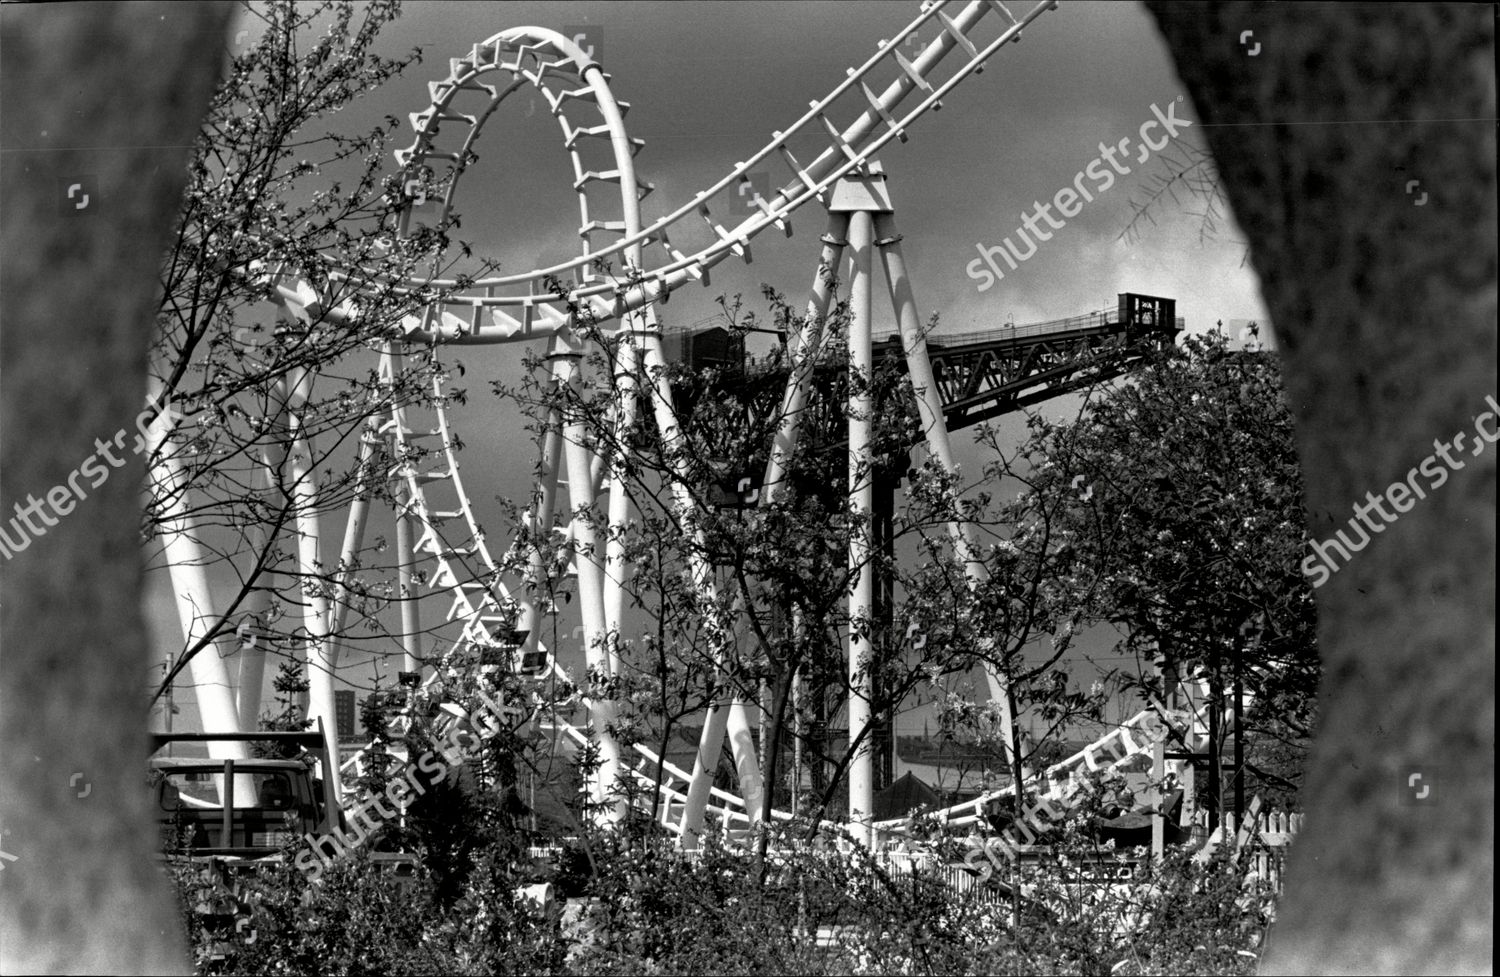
<point>1357,149</point>
<point>103,101</point>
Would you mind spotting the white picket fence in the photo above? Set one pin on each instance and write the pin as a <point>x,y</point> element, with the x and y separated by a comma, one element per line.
<point>1263,837</point>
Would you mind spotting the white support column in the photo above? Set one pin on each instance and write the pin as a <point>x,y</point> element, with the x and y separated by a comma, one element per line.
<point>587,555</point>
<point>797,733</point>
<point>406,581</point>
<point>539,521</point>
<point>251,655</point>
<point>354,537</point>
<point>186,561</point>
<point>616,568</point>
<point>317,612</point>
<point>408,527</point>
<point>804,357</point>
<point>861,507</point>
<point>746,759</point>
<point>803,353</point>
<point>707,762</point>
<point>654,370</point>
<point>935,429</point>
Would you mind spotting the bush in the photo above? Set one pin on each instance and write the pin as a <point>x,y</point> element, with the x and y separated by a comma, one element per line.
<point>643,907</point>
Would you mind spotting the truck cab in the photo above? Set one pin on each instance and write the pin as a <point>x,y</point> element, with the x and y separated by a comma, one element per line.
<point>242,809</point>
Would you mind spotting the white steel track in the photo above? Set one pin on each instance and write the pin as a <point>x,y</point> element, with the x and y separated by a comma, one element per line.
<point>522,307</point>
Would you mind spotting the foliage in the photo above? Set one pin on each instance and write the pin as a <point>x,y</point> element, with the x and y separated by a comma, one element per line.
<point>771,627</point>
<point>277,196</point>
<point>772,606</point>
<point>649,908</point>
<point>290,685</point>
<point>1183,515</point>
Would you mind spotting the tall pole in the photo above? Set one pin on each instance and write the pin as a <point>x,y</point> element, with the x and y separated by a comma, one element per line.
<point>1239,731</point>
<point>882,626</point>
<point>804,357</point>
<point>539,522</point>
<point>798,730</point>
<point>616,567</point>
<point>406,580</point>
<point>718,636</point>
<point>587,554</point>
<point>354,536</point>
<point>1215,771</point>
<point>317,615</point>
<point>1158,774</point>
<point>186,560</point>
<point>252,641</point>
<point>861,506</point>
<point>408,528</point>
<point>939,448</point>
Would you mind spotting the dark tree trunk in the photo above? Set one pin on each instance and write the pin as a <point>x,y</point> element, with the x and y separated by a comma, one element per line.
<point>1357,149</point>
<point>770,766</point>
<point>107,97</point>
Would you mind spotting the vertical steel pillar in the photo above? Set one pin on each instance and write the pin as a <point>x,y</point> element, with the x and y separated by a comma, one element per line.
<point>586,553</point>
<point>322,704</point>
<point>798,731</point>
<point>186,561</point>
<point>710,742</point>
<point>407,526</point>
<point>406,580</point>
<point>250,682</point>
<point>1215,757</point>
<point>860,196</point>
<point>882,625</point>
<point>616,568</point>
<point>1158,774</point>
<point>746,758</point>
<point>861,504</point>
<point>1239,730</point>
<point>539,522</point>
<point>804,357</point>
<point>654,371</point>
<point>354,536</point>
<point>930,414</point>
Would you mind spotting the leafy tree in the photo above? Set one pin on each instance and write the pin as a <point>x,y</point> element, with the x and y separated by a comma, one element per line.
<point>781,565</point>
<point>1183,514</point>
<point>286,264</point>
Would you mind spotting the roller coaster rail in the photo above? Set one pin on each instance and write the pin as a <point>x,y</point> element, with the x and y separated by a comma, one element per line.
<point>445,534</point>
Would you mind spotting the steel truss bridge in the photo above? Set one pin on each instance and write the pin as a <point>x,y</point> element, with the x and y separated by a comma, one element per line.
<point>982,374</point>
<point>625,266</point>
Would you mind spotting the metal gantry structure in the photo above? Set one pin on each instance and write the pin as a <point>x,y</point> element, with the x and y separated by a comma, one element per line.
<point>625,267</point>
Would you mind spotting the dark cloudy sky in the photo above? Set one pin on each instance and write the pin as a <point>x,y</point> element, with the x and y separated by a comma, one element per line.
<point>709,82</point>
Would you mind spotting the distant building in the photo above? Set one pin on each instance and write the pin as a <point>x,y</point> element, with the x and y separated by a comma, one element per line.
<point>346,716</point>
<point>702,348</point>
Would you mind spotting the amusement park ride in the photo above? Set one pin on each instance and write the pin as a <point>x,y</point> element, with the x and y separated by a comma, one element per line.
<point>624,269</point>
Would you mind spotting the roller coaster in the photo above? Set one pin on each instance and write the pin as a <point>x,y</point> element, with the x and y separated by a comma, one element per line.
<point>625,268</point>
